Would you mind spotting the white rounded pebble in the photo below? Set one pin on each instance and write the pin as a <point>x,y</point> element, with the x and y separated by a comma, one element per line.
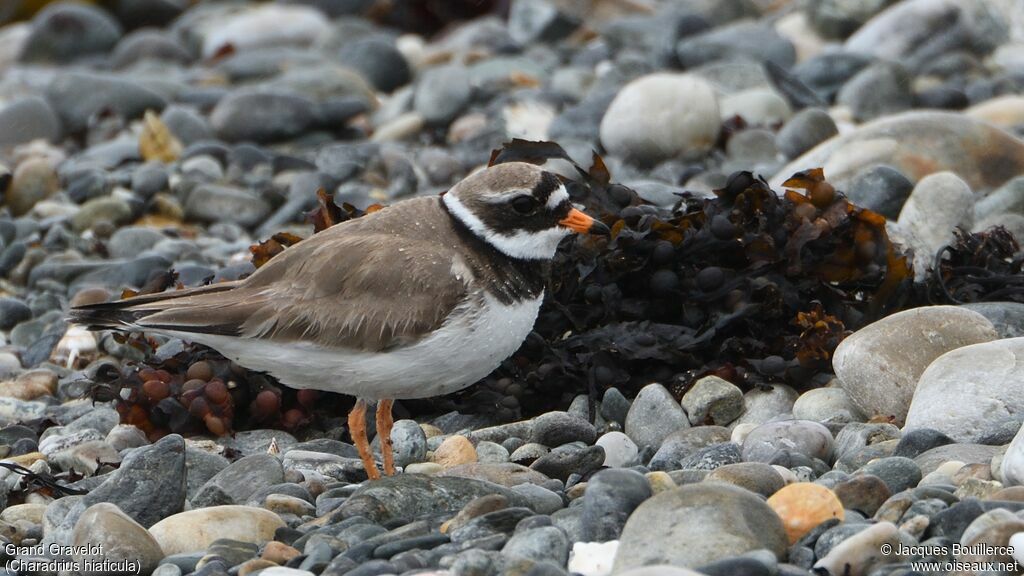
<point>593,558</point>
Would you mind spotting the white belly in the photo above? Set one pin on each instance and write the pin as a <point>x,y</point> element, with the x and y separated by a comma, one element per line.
<point>472,342</point>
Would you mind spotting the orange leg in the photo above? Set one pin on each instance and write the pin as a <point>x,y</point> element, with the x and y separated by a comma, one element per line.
<point>357,429</point>
<point>384,424</point>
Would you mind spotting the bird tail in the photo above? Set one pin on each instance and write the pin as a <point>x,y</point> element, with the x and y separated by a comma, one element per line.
<point>127,313</point>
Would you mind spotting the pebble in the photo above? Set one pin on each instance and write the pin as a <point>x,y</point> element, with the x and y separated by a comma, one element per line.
<point>803,505</point>
<point>442,93</point>
<point>828,406</point>
<point>763,405</point>
<point>976,380</point>
<point>858,554</point>
<point>805,130</point>
<point>611,496</point>
<point>409,442</point>
<point>864,493</point>
<point>897,472</point>
<point>261,115</point>
<point>196,530</point>
<point>685,124</point>
<point>120,538</point>
<point>757,477</point>
<point>653,415</point>
<point>917,143</point>
<point>556,428</point>
<point>34,180</point>
<point>455,451</point>
<point>881,188</point>
<point>881,89</point>
<point>804,437</point>
<point>213,203</point>
<point>96,32</point>
<point>939,202</point>
<point>713,400</point>
<point>263,26</point>
<point>679,446</point>
<point>78,96</point>
<point>27,119</point>
<point>879,365</point>
<point>619,450</point>
<point>715,519</point>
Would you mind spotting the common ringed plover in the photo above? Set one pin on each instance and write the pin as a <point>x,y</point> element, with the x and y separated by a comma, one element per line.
<point>419,299</point>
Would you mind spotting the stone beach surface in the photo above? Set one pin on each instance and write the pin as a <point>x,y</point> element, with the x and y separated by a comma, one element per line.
<point>140,136</point>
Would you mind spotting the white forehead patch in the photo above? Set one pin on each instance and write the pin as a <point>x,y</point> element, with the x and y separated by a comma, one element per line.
<point>526,245</point>
<point>557,197</point>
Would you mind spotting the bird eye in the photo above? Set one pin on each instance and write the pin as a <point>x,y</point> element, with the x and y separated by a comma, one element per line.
<point>524,204</point>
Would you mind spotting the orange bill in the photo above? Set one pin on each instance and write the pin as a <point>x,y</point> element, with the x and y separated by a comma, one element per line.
<point>578,221</point>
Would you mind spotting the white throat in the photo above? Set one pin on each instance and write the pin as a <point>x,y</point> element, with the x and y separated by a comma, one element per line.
<point>525,245</point>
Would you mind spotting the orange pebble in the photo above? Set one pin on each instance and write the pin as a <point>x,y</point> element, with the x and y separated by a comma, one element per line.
<point>804,505</point>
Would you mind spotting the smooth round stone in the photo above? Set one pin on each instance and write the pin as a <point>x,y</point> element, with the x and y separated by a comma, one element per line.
<point>379,61</point>
<point>879,90</point>
<point>712,457</point>
<point>764,405</point>
<point>653,415</point>
<point>939,202</point>
<point>12,313</point>
<point>131,241</point>
<point>660,570</point>
<point>713,400</point>
<point>1007,198</point>
<point>716,521</point>
<point>879,365</point>
<point>907,31</point>
<point>930,460</point>
<point>34,179</point>
<point>800,436</point>
<point>964,390</point>
<point>409,442</point>
<point>827,72</point>
<point>261,116</point>
<point>859,553</point>
<point>538,21</point>
<point>805,130</point>
<point>803,506</point>
<point>917,143</point>
<point>757,477</point>
<point>838,19</point>
<point>880,188</point>
<point>1007,317</point>
<point>455,451</point>
<point>95,32</point>
<point>119,537</point>
<point>919,441</point>
<point>680,446</point>
<point>1005,111</point>
<point>212,203</point>
<point>594,557</point>
<point>195,530</point>
<point>28,119</point>
<point>104,209</point>
<point>263,26</point>
<point>561,464</point>
<point>897,472</point>
<point>857,435</point>
<point>864,493</point>
<point>78,96</point>
<point>546,544</point>
<point>827,405</point>
<point>661,116</point>
<point>186,124</point>
<point>619,450</point>
<point>148,45</point>
<point>236,483</point>
<point>557,428</point>
<point>542,500</point>
<point>993,528</point>
<point>758,106</point>
<point>442,93</point>
<point>746,39</point>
